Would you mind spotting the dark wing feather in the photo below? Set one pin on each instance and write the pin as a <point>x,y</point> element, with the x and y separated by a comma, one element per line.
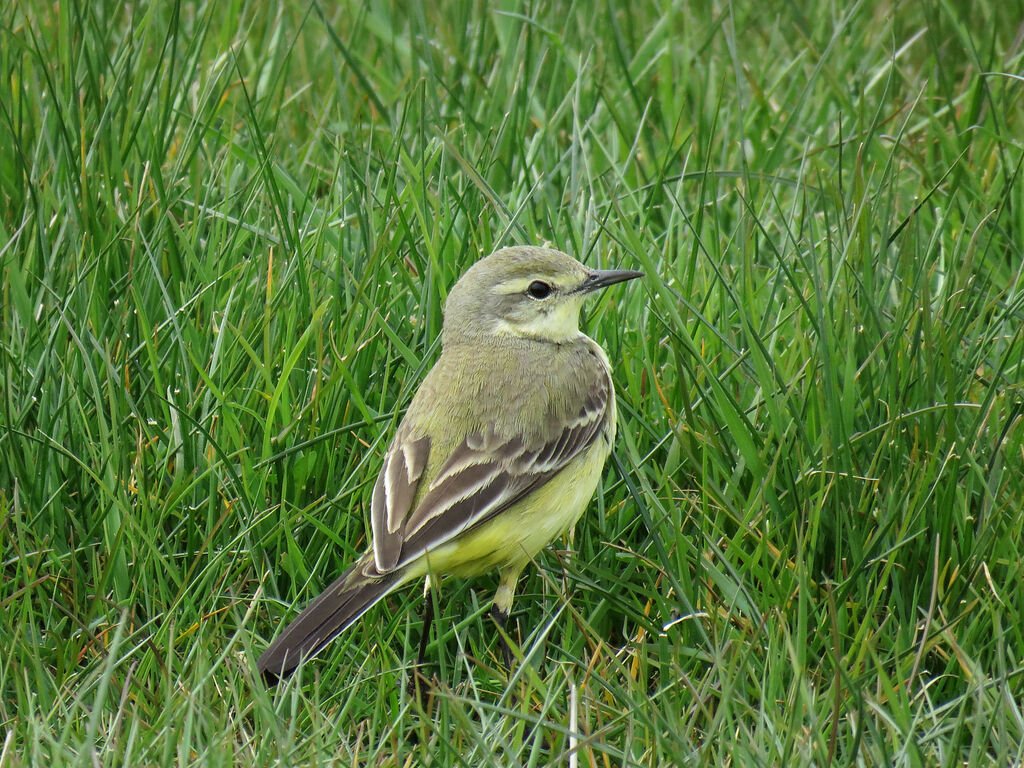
<point>393,495</point>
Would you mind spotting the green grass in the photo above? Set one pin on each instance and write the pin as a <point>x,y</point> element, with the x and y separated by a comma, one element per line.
<point>226,236</point>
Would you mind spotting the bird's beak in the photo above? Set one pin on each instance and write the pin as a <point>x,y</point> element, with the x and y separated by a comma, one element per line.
<point>602,278</point>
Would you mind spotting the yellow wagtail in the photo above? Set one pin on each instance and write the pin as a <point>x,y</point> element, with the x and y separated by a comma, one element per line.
<point>500,451</point>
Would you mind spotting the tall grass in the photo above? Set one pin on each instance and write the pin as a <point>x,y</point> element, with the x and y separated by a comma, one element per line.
<point>227,236</point>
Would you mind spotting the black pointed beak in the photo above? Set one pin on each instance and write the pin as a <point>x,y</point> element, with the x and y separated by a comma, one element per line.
<point>602,278</point>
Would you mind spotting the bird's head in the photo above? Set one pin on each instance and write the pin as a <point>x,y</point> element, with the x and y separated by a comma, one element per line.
<point>524,292</point>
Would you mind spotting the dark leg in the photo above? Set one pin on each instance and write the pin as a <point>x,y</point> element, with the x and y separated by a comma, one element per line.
<point>501,619</point>
<point>502,606</point>
<point>417,680</point>
<point>428,619</point>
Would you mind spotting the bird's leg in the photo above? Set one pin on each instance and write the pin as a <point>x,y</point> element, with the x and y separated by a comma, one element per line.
<point>501,619</point>
<point>414,684</point>
<point>501,607</point>
<point>428,620</point>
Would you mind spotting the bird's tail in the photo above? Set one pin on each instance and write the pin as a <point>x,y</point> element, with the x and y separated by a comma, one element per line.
<point>348,598</point>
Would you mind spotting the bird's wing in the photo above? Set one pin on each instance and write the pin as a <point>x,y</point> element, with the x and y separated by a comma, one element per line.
<point>485,474</point>
<point>393,495</point>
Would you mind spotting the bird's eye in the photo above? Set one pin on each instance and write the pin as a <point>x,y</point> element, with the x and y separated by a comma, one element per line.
<point>539,289</point>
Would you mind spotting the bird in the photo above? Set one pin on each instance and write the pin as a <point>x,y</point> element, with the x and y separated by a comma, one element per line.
<point>500,450</point>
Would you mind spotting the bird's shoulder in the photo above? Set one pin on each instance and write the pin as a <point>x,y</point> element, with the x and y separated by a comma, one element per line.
<point>515,389</point>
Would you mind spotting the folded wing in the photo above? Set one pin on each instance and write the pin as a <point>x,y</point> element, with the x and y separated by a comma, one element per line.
<point>485,474</point>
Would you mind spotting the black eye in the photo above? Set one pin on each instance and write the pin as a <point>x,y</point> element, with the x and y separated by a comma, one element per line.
<point>539,289</point>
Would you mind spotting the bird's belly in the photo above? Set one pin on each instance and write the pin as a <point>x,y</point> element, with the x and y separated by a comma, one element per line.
<point>517,534</point>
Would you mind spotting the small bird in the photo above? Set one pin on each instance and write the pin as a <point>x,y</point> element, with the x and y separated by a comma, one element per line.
<point>500,451</point>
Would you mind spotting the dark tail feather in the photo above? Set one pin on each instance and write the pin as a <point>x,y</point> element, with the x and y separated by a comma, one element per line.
<point>337,607</point>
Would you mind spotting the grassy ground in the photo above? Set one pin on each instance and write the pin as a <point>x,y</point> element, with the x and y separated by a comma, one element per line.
<point>226,236</point>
